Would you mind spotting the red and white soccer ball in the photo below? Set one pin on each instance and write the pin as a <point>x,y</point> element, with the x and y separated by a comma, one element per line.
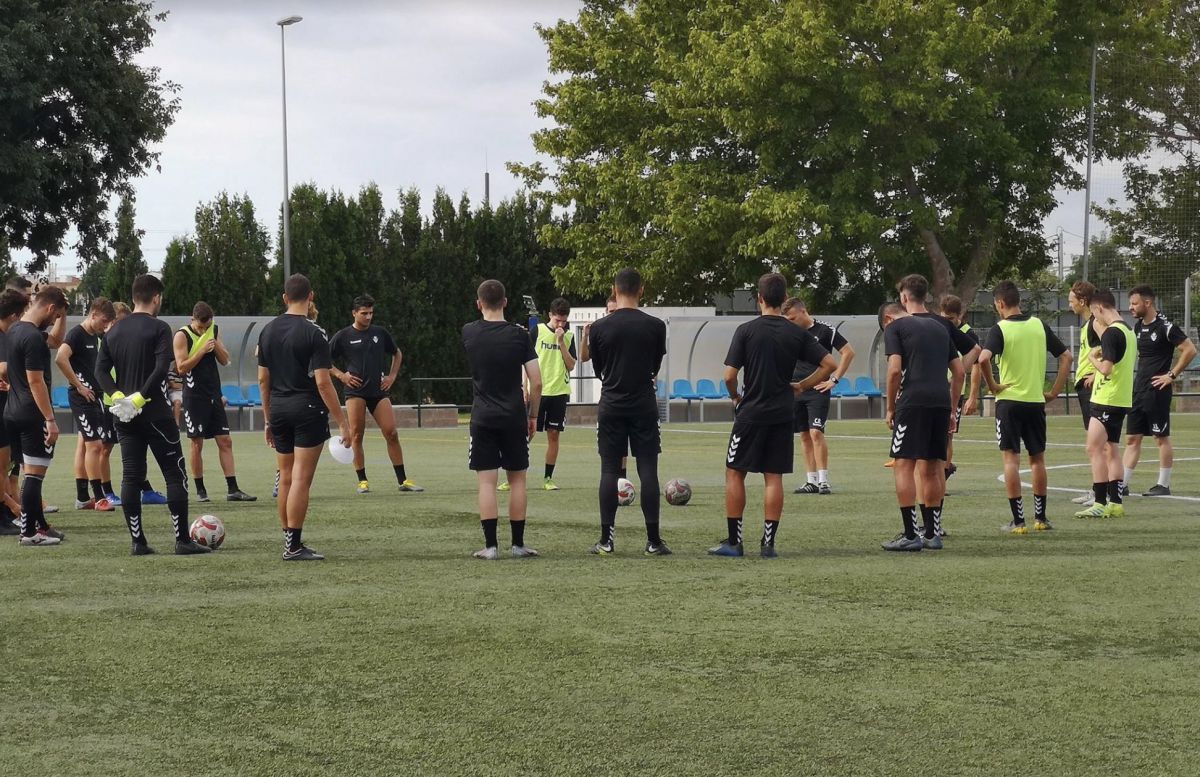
<point>678,492</point>
<point>208,530</point>
<point>626,493</point>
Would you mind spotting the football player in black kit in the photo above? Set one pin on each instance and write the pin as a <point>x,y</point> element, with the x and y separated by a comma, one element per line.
<point>363,347</point>
<point>28,415</point>
<point>132,370</point>
<point>76,359</point>
<point>298,398</point>
<point>12,305</point>
<point>198,350</point>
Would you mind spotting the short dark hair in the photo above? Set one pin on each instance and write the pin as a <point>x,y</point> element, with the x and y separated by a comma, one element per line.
<point>628,282</point>
<point>560,307</point>
<point>145,288</point>
<point>19,283</point>
<point>1008,293</point>
<point>51,296</point>
<point>104,307</point>
<point>952,305</point>
<point>362,301</point>
<point>492,294</point>
<point>202,311</point>
<point>121,309</point>
<point>1104,298</point>
<point>772,287</point>
<point>13,303</point>
<point>1144,291</point>
<point>297,288</point>
<point>915,286</point>
<point>1084,291</point>
<point>793,302</point>
<point>889,308</point>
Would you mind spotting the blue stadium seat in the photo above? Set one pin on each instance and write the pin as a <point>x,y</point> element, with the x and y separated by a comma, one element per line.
<point>681,388</point>
<point>865,386</point>
<point>841,390</point>
<point>723,389</point>
<point>233,396</point>
<point>58,397</point>
<point>707,389</point>
<point>253,395</point>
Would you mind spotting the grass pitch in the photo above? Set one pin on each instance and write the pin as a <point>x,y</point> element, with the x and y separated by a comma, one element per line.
<point>1067,653</point>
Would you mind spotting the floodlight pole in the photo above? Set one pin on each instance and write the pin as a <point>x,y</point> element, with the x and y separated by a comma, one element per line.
<point>1087,198</point>
<point>287,214</point>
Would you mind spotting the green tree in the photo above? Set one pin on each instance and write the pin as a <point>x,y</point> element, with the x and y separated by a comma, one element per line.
<point>126,262</point>
<point>183,277</point>
<point>79,118</point>
<point>1110,266</point>
<point>8,268</point>
<point>842,143</point>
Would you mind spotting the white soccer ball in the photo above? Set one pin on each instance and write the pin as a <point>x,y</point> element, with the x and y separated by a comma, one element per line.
<point>208,530</point>
<point>341,454</point>
<point>626,493</point>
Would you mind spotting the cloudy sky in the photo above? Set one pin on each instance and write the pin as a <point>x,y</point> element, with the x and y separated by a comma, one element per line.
<point>399,92</point>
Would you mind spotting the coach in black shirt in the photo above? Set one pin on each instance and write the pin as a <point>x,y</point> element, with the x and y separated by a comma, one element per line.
<point>137,350</point>
<point>765,350</point>
<point>502,359</point>
<point>627,348</point>
<point>298,398</point>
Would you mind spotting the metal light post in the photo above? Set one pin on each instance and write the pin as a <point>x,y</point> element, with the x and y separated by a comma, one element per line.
<point>287,214</point>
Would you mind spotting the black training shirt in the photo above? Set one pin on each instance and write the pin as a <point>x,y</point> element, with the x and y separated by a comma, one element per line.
<point>84,350</point>
<point>829,338</point>
<point>627,348</point>
<point>203,381</point>
<point>293,348</point>
<point>1157,342</point>
<point>767,349</point>
<point>925,348</point>
<point>363,352</point>
<point>139,348</point>
<point>27,352</point>
<point>1112,344</point>
<point>497,352</point>
<point>963,342</point>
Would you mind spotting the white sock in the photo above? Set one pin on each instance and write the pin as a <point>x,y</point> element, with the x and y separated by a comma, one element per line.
<point>822,476</point>
<point>812,478</point>
<point>1164,477</point>
<point>1128,475</point>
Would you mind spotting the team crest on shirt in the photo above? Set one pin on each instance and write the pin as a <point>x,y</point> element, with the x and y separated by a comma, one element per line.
<point>375,339</point>
<point>1153,337</point>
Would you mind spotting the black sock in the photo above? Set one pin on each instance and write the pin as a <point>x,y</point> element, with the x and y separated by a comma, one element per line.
<point>770,528</point>
<point>231,483</point>
<point>652,535</point>
<point>735,530</point>
<point>1017,505</point>
<point>81,489</point>
<point>200,489</point>
<point>647,469</point>
<point>292,539</point>
<point>97,490</point>
<point>1114,492</point>
<point>489,532</point>
<point>131,506</point>
<point>31,505</point>
<point>1100,492</point>
<point>549,471</point>
<point>518,533</point>
<point>927,519</point>
<point>179,520</point>
<point>608,533</point>
<point>400,476</point>
<point>908,515</point>
<point>146,486</point>
<point>107,486</point>
<point>623,473</point>
<point>607,499</point>
<point>937,518</point>
<point>1039,508</point>
<point>362,474</point>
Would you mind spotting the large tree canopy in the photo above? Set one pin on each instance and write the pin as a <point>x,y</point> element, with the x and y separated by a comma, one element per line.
<point>844,143</point>
<point>78,118</point>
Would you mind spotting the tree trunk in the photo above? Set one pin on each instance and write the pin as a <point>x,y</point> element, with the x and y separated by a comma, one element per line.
<point>979,258</point>
<point>942,277</point>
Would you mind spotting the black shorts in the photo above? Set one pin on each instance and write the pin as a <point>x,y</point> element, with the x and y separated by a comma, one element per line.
<point>765,448</point>
<point>1111,418</point>
<point>1083,393</point>
<point>1151,413</point>
<point>372,402</point>
<point>811,411</point>
<point>304,425</point>
<point>204,417</point>
<point>552,413</point>
<point>962,400</point>
<point>1021,422</point>
<point>495,447</point>
<point>636,434</point>
<point>92,419</point>
<point>27,438</point>
<point>921,433</point>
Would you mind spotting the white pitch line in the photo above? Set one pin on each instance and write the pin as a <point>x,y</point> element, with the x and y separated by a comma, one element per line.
<point>1000,478</point>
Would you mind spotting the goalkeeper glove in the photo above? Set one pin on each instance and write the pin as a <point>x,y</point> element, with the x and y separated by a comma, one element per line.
<point>109,399</point>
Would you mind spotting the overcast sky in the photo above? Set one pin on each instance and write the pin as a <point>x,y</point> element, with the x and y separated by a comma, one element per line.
<point>401,92</point>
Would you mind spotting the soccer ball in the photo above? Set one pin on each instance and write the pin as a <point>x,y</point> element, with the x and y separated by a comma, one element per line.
<point>678,492</point>
<point>208,530</point>
<point>626,493</point>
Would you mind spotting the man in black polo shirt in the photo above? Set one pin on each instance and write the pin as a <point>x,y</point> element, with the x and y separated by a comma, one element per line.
<point>812,407</point>
<point>502,361</point>
<point>362,347</point>
<point>298,398</point>
<point>28,414</point>
<point>1157,341</point>
<point>627,348</point>
<point>919,349</point>
<point>198,349</point>
<point>766,350</point>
